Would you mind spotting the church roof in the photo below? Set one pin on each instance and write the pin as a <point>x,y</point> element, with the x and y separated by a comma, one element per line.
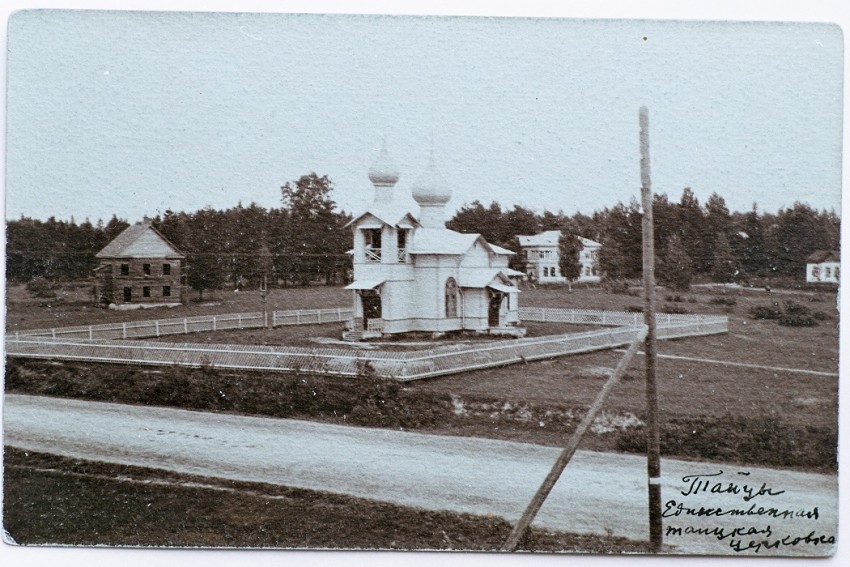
<point>391,213</point>
<point>478,278</point>
<point>443,241</point>
<point>501,251</point>
<point>140,240</point>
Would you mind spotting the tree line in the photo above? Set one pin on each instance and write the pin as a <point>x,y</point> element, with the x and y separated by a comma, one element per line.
<point>301,242</point>
<point>305,239</point>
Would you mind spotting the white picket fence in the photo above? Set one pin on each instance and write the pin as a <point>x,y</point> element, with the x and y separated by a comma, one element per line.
<point>111,345</point>
<point>399,365</point>
<point>198,324</point>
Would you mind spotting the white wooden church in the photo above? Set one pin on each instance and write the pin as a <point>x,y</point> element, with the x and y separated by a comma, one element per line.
<point>411,273</point>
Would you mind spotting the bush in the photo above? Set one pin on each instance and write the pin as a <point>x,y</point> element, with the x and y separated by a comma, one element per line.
<point>821,316</point>
<point>41,288</point>
<point>675,298</point>
<point>797,321</point>
<point>634,309</point>
<point>675,310</point>
<point>794,308</point>
<point>722,300</point>
<point>765,312</point>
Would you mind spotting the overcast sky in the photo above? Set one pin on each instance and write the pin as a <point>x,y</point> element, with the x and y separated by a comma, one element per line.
<point>136,113</point>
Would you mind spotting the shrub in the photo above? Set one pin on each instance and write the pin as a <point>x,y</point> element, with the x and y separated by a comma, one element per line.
<point>675,310</point>
<point>634,309</point>
<point>765,312</point>
<point>41,288</point>
<point>722,300</point>
<point>794,308</point>
<point>821,316</point>
<point>798,321</point>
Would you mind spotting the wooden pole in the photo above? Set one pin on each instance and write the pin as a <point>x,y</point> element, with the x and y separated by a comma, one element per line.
<point>549,482</point>
<point>653,442</point>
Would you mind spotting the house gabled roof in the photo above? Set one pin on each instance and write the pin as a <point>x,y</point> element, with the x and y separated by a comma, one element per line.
<point>140,240</point>
<point>819,256</point>
<point>547,238</point>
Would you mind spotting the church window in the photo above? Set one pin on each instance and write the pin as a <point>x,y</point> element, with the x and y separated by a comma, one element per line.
<point>451,298</point>
<point>372,239</point>
<point>402,245</point>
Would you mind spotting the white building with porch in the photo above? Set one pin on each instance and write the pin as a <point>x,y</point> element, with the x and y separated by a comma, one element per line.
<point>543,259</point>
<point>411,273</point>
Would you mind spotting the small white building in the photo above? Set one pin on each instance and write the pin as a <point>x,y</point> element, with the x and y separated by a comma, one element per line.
<point>542,258</point>
<point>823,266</point>
<point>588,257</point>
<point>411,273</point>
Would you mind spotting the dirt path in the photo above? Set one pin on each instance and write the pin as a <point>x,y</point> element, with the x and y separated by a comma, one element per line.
<point>599,492</point>
<point>739,364</point>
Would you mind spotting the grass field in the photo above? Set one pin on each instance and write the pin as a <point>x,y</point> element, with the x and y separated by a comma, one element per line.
<point>708,412</point>
<point>74,308</point>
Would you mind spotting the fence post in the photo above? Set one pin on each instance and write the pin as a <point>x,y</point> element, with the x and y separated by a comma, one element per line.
<point>239,320</point>
<point>339,314</point>
<point>298,317</point>
<point>53,333</point>
<point>156,326</point>
<point>91,332</point>
<point>123,330</point>
<point>604,313</point>
<point>185,326</point>
<point>215,327</point>
<point>274,318</point>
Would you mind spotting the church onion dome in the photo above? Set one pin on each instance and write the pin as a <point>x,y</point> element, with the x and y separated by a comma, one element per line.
<point>383,171</point>
<point>431,188</point>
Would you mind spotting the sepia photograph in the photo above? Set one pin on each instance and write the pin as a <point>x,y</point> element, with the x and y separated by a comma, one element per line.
<point>345,282</point>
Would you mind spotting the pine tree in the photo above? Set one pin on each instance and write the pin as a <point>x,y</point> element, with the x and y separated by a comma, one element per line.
<point>723,265</point>
<point>675,270</point>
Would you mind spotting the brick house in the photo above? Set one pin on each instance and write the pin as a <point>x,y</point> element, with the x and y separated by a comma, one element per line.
<point>139,268</point>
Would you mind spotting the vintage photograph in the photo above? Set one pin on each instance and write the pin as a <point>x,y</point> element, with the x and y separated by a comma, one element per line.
<point>374,282</point>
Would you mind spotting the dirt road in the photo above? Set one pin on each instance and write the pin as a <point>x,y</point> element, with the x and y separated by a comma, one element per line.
<point>598,493</point>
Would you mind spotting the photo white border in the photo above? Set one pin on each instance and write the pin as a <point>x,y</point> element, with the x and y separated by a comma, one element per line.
<point>833,11</point>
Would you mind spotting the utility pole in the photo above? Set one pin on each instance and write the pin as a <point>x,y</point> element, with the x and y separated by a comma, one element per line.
<point>265,262</point>
<point>653,442</point>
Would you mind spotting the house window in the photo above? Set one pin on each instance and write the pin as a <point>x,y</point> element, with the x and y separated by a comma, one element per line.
<point>166,269</point>
<point>125,269</point>
<point>166,291</point>
<point>816,272</point>
<point>827,272</point>
<point>146,268</point>
<point>146,291</point>
<point>451,298</point>
<point>372,239</point>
